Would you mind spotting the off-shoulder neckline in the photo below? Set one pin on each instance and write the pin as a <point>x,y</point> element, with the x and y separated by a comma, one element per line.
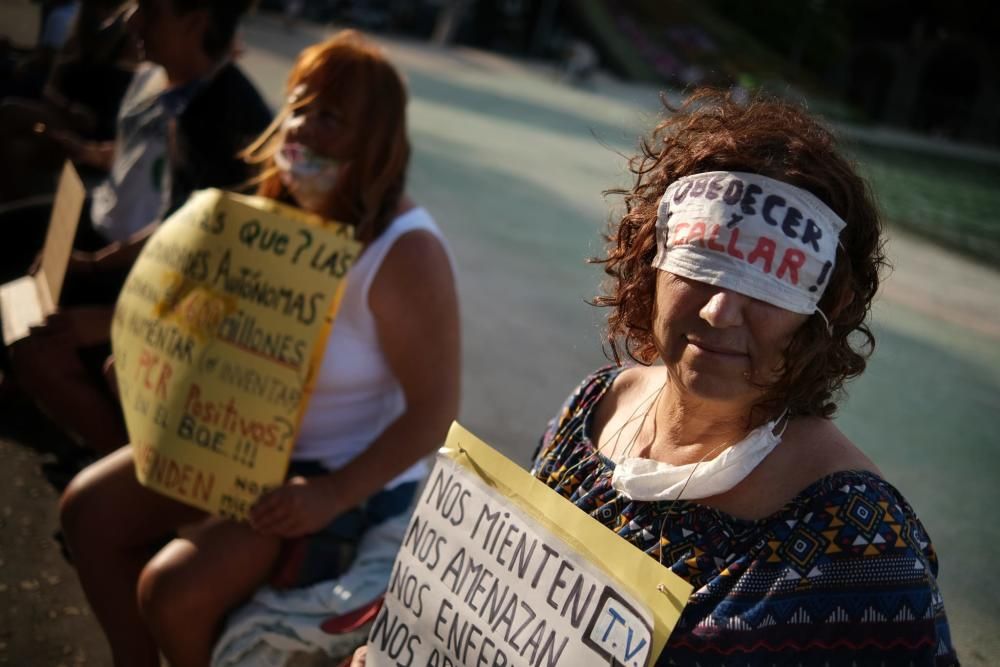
<point>834,480</point>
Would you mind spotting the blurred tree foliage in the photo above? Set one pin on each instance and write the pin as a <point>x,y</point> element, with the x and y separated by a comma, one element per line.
<point>818,35</point>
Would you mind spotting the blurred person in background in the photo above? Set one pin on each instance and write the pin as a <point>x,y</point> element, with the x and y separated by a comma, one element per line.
<point>80,102</point>
<point>27,73</point>
<point>293,12</point>
<point>188,113</point>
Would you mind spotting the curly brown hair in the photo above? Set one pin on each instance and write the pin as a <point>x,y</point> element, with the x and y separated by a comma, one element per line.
<point>710,131</point>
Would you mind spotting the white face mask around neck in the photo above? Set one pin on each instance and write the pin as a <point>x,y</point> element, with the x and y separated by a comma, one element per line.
<point>648,480</point>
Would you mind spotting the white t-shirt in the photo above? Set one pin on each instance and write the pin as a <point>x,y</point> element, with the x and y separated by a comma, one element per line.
<point>356,396</point>
<point>137,191</point>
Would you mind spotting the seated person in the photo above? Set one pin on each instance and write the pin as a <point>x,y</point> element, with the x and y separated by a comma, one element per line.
<point>92,71</point>
<point>186,117</point>
<point>386,391</point>
<point>79,104</point>
<point>30,71</point>
<point>715,453</point>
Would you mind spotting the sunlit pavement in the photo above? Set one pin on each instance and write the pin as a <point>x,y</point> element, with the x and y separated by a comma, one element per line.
<point>512,164</point>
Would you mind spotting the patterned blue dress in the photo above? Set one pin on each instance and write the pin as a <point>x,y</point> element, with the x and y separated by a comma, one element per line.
<point>844,574</point>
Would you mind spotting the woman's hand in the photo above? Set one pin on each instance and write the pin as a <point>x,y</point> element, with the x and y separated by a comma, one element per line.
<point>299,507</point>
<point>359,657</point>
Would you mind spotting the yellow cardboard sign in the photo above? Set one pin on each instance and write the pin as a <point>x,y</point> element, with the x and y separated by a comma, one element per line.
<point>496,568</point>
<point>217,336</point>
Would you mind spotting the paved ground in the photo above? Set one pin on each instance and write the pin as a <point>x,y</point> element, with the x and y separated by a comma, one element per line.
<point>512,164</point>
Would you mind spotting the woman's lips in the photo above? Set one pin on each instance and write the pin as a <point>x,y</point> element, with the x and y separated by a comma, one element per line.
<point>715,348</point>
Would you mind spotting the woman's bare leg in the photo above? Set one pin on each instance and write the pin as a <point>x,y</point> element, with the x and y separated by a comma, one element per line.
<point>187,589</point>
<point>112,526</point>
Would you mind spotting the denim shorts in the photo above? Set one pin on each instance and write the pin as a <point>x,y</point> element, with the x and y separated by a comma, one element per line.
<point>328,553</point>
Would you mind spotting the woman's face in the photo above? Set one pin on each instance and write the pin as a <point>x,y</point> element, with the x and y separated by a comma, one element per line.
<point>314,149</point>
<point>718,344</point>
<point>316,124</point>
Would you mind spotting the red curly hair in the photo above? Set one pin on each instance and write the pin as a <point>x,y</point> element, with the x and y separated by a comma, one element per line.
<point>712,132</point>
<point>352,75</point>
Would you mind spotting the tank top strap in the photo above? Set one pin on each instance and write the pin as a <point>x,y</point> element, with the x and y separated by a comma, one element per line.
<point>367,266</point>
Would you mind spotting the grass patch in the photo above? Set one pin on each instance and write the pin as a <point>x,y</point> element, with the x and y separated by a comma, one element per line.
<point>952,201</point>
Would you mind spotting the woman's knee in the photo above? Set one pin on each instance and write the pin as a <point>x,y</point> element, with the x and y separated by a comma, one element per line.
<point>84,511</point>
<point>193,581</point>
<point>103,503</point>
<point>170,599</point>
<point>155,592</point>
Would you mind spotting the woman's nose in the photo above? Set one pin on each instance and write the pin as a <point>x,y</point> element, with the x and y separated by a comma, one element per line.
<point>724,309</point>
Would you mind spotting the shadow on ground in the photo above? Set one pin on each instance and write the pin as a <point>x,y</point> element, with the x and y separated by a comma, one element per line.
<point>44,619</point>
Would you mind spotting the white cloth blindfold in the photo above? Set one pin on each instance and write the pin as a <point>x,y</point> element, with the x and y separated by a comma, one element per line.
<point>750,234</point>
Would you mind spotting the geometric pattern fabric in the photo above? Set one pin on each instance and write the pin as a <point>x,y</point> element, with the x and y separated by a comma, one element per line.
<point>844,574</point>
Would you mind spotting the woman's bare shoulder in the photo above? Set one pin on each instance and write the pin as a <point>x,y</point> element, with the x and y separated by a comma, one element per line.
<point>417,253</point>
<point>628,395</point>
<point>818,448</point>
<point>811,449</point>
<point>632,380</point>
<point>632,386</point>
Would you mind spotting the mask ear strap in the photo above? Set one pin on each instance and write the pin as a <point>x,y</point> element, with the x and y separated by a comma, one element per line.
<point>829,327</point>
<point>784,424</point>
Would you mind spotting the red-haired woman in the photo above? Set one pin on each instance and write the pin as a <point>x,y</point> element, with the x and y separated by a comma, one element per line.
<point>385,395</point>
<point>740,280</point>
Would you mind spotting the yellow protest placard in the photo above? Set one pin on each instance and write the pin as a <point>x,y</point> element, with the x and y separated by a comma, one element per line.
<point>498,569</point>
<point>217,335</point>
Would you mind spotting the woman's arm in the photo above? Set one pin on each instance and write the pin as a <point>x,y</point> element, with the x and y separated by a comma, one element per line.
<point>116,256</point>
<point>97,154</point>
<point>415,305</point>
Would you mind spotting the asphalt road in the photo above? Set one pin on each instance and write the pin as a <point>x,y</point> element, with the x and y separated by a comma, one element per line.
<point>512,163</point>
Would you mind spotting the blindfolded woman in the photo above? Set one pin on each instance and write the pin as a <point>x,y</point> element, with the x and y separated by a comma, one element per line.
<point>741,277</point>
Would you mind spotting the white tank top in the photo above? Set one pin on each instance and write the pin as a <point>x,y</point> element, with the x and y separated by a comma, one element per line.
<point>356,396</point>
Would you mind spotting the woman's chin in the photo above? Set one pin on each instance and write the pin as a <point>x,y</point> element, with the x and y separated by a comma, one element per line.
<point>719,386</point>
